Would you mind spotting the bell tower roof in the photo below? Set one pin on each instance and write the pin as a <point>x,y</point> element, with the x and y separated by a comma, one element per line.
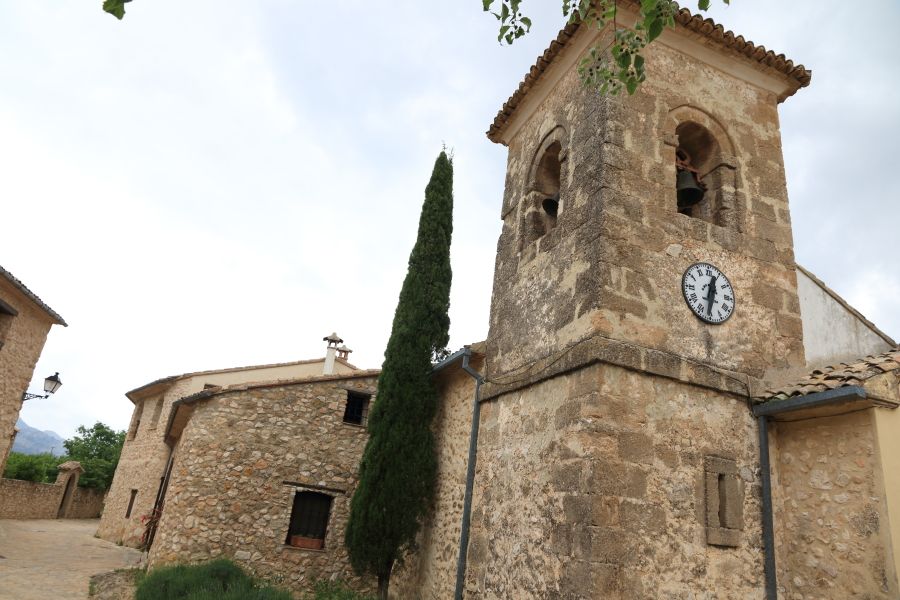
<point>693,33</point>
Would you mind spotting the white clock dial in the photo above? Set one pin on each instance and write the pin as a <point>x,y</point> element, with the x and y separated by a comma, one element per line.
<point>708,293</point>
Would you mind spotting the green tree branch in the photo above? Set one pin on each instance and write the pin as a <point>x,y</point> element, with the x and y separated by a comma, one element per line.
<point>619,64</point>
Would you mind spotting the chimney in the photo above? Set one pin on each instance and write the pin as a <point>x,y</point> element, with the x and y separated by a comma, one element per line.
<point>330,351</point>
<point>343,352</point>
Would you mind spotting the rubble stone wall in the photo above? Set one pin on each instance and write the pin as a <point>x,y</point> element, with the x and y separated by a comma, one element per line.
<point>241,458</point>
<point>832,532</point>
<point>86,504</point>
<point>22,338</point>
<point>592,485</point>
<point>430,572</point>
<point>29,500</point>
<point>141,467</point>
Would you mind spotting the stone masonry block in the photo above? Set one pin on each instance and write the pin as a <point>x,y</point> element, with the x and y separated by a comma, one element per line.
<point>636,447</point>
<point>618,479</point>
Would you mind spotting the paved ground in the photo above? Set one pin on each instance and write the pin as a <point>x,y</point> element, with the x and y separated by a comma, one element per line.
<point>53,559</point>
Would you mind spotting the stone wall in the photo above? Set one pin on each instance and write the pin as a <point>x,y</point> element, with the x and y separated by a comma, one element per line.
<point>240,460</point>
<point>22,338</point>
<point>87,504</point>
<point>832,532</point>
<point>145,453</point>
<point>141,466</point>
<point>430,572</point>
<point>612,265</point>
<point>593,485</point>
<point>30,500</point>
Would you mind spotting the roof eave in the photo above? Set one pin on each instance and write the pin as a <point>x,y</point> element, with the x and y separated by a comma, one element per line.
<point>794,76</point>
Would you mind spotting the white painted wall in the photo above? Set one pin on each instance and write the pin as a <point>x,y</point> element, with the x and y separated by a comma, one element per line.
<point>831,332</point>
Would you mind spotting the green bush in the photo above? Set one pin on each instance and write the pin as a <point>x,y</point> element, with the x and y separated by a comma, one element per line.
<point>328,590</point>
<point>217,580</point>
<point>32,467</point>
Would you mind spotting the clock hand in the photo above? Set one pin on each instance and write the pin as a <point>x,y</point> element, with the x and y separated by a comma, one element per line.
<point>711,296</point>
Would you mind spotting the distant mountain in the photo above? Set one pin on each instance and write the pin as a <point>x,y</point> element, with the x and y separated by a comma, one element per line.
<point>34,441</point>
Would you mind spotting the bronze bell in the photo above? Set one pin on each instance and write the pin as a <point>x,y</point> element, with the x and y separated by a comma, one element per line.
<point>689,190</point>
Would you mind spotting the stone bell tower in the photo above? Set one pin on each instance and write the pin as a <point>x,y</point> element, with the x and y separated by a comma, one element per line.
<point>618,457</point>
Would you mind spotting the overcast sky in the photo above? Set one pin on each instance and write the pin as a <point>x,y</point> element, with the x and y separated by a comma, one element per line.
<point>211,184</point>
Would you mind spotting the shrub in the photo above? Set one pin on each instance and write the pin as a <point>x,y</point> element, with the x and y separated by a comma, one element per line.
<point>217,580</point>
<point>328,590</point>
<point>40,468</point>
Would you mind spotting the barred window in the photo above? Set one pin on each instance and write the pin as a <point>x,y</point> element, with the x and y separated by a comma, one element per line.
<point>309,520</point>
<point>357,408</point>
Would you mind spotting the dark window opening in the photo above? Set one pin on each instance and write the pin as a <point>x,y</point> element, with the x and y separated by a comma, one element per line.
<point>130,504</point>
<point>309,520</point>
<point>357,408</point>
<point>7,313</point>
<point>136,420</point>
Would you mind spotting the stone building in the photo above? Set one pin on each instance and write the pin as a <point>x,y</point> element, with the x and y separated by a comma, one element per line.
<point>137,484</point>
<point>263,473</point>
<point>651,415</point>
<point>619,418</point>
<point>25,321</point>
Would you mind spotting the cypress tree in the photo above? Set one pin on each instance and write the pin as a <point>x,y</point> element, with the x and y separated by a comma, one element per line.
<point>397,471</point>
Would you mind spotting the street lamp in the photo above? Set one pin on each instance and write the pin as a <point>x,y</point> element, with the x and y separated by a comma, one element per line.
<point>51,384</point>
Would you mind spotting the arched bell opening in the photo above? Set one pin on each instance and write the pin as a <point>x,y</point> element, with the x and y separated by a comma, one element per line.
<point>703,175</point>
<point>543,205</point>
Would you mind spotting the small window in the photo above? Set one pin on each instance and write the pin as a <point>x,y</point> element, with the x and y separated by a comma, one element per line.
<point>136,420</point>
<point>157,409</point>
<point>724,502</point>
<point>309,520</point>
<point>130,504</point>
<point>357,408</point>
<point>7,313</point>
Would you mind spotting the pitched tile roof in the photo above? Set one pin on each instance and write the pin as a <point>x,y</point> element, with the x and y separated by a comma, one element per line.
<point>33,297</point>
<point>174,378</point>
<point>837,376</point>
<point>706,28</point>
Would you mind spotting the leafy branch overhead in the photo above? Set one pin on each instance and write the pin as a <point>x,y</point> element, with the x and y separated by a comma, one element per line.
<point>610,68</point>
<point>115,7</point>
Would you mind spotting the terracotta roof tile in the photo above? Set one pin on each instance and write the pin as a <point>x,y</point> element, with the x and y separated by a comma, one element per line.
<point>841,375</point>
<point>695,23</point>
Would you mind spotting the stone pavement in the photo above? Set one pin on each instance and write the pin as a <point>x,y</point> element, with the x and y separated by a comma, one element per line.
<point>54,559</point>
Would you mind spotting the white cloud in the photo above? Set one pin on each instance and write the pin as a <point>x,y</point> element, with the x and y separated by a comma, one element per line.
<point>202,185</point>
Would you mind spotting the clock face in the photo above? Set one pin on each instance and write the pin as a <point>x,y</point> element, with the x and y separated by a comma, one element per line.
<point>708,293</point>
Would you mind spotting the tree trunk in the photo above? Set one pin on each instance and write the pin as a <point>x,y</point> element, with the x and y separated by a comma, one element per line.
<point>383,583</point>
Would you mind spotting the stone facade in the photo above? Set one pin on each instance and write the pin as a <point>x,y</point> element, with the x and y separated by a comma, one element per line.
<point>239,460</point>
<point>430,572</point>
<point>592,484</point>
<point>25,322</point>
<point>618,454</point>
<point>834,536</point>
<point>146,452</point>
<point>611,266</point>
